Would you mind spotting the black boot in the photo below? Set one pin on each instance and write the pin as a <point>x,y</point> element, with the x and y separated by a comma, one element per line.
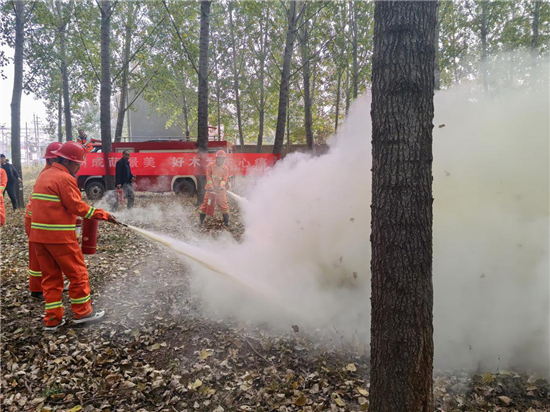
<point>226,219</point>
<point>37,295</point>
<point>202,217</point>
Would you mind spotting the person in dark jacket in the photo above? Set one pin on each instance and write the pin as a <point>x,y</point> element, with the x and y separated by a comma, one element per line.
<point>124,179</point>
<point>13,180</point>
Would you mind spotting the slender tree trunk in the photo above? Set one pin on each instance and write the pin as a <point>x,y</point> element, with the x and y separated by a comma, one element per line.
<point>124,86</point>
<point>285,77</point>
<point>64,75</point>
<point>485,73</point>
<point>308,118</point>
<point>218,94</point>
<point>17,91</point>
<point>337,115</point>
<point>202,109</point>
<point>128,124</point>
<point>353,10</point>
<point>236,77</point>
<point>60,117</point>
<point>348,94</point>
<point>402,291</point>
<point>263,56</point>
<point>105,90</point>
<point>185,113</point>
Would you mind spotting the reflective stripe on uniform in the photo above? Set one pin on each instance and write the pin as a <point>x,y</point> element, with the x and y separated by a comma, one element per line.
<point>42,196</point>
<point>2,188</point>
<point>29,213</point>
<point>80,300</point>
<point>45,226</point>
<point>222,183</point>
<point>54,305</point>
<point>35,273</point>
<point>209,182</point>
<point>90,213</point>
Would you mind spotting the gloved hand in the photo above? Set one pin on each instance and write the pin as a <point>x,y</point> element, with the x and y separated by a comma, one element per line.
<point>112,219</point>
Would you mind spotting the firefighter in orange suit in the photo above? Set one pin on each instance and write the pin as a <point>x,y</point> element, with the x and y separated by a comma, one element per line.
<point>85,141</point>
<point>3,184</point>
<point>35,274</point>
<point>217,179</point>
<point>56,201</point>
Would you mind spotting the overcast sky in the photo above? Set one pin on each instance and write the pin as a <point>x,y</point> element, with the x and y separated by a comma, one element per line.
<point>29,104</point>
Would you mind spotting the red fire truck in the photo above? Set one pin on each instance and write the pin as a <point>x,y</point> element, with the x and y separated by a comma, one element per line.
<point>164,165</point>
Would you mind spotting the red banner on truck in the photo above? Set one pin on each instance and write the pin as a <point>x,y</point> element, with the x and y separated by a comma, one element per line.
<point>171,164</point>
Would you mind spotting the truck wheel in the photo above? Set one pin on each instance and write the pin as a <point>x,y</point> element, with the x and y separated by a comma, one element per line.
<point>184,187</point>
<point>95,190</point>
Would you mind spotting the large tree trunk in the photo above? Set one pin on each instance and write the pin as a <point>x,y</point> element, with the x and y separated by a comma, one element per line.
<point>60,117</point>
<point>105,91</point>
<point>338,87</point>
<point>484,68</point>
<point>308,118</point>
<point>236,77</point>
<point>402,291</point>
<point>17,91</point>
<point>353,10</point>
<point>64,75</point>
<point>218,95</point>
<point>124,86</point>
<point>202,109</point>
<point>285,77</point>
<point>263,55</point>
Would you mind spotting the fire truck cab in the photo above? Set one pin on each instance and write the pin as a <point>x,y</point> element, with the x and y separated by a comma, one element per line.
<point>182,179</point>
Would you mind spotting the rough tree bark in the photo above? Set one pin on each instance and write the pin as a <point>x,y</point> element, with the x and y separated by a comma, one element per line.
<point>285,78</point>
<point>124,86</point>
<point>17,92</point>
<point>105,90</point>
<point>402,291</point>
<point>236,85</point>
<point>306,74</point>
<point>348,94</point>
<point>63,22</point>
<point>202,109</point>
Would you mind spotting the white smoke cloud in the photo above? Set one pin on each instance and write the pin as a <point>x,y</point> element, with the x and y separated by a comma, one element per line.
<point>306,246</point>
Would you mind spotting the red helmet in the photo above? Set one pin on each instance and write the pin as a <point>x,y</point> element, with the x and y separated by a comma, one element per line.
<point>52,147</point>
<point>71,151</point>
<point>221,153</point>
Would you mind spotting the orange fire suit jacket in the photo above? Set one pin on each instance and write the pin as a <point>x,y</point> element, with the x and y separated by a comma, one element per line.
<point>28,213</point>
<point>56,201</point>
<point>216,176</point>
<point>3,184</point>
<point>87,143</point>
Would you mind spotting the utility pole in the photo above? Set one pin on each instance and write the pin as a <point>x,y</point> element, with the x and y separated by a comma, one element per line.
<point>38,137</point>
<point>27,141</point>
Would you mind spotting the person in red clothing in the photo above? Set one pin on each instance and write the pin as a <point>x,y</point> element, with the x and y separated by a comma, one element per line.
<point>3,184</point>
<point>217,179</point>
<point>35,274</point>
<point>56,202</point>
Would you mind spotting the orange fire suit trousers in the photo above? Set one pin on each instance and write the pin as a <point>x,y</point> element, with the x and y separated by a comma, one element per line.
<point>221,201</point>
<point>54,260</point>
<point>35,274</point>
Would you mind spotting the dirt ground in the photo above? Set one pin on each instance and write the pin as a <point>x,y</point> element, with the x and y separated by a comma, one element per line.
<point>158,350</point>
